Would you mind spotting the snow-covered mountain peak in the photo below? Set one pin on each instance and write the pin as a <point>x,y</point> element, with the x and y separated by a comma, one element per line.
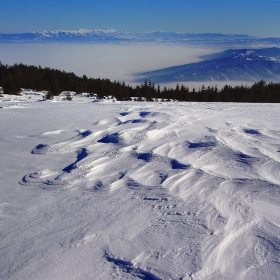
<point>245,54</point>
<point>108,31</point>
<point>81,31</point>
<point>112,35</point>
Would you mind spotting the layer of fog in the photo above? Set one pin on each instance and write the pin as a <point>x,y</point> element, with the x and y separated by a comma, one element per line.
<point>113,61</point>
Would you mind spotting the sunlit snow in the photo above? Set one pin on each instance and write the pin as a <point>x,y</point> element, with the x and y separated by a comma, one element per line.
<point>138,190</point>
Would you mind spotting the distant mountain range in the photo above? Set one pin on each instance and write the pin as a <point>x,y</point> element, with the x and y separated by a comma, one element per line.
<point>230,65</point>
<point>114,36</point>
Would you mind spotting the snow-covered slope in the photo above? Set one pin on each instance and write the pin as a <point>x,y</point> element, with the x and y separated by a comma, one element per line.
<point>230,65</point>
<point>139,190</point>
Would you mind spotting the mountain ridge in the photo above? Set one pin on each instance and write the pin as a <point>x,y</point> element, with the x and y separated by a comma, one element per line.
<point>113,35</point>
<point>230,65</point>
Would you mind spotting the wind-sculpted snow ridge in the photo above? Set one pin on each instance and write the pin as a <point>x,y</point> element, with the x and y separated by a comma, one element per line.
<point>140,191</point>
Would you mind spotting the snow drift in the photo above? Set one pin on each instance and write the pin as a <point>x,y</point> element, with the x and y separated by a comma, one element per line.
<point>139,190</point>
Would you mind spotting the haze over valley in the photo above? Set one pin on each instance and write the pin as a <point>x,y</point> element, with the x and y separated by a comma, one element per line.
<point>123,56</point>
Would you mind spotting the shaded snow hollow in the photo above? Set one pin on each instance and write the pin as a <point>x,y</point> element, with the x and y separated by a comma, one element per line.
<point>139,190</point>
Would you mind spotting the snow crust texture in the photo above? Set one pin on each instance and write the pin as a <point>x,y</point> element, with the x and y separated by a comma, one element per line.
<point>139,190</point>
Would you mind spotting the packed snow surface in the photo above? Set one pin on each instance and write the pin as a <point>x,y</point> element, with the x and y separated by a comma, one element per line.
<point>127,190</point>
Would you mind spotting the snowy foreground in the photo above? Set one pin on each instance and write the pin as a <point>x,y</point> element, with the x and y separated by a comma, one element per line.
<point>139,190</point>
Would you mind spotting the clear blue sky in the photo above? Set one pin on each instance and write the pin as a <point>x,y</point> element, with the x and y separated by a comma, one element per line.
<point>252,17</point>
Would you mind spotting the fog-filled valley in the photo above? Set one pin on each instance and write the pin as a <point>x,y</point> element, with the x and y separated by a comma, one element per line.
<point>120,62</point>
<point>112,61</point>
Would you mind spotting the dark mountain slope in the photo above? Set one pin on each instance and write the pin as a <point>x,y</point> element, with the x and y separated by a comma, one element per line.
<point>230,65</point>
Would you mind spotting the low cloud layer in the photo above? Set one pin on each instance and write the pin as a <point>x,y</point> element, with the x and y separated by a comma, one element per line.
<point>116,62</point>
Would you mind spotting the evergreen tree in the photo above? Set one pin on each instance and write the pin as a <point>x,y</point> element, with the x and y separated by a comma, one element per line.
<point>17,76</point>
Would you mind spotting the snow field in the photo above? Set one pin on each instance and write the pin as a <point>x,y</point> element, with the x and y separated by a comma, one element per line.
<point>131,190</point>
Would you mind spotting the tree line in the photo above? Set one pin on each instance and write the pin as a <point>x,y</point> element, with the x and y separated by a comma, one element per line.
<point>17,76</point>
